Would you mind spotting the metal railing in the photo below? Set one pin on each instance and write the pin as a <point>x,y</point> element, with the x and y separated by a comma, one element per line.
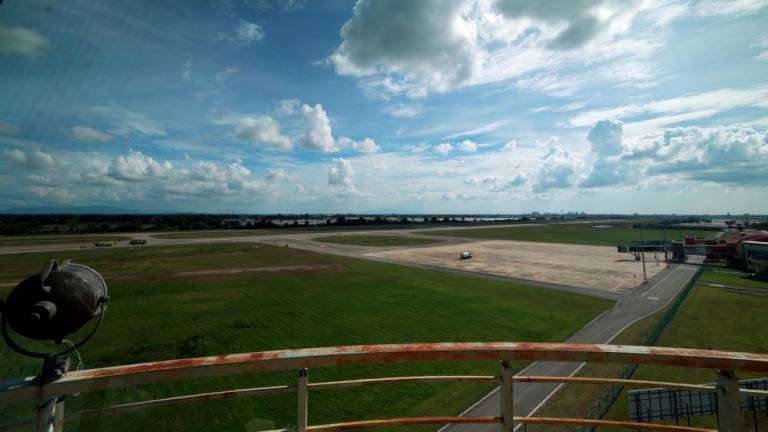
<point>49,413</point>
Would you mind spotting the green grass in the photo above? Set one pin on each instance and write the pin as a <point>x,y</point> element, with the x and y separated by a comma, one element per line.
<point>731,277</point>
<point>43,240</point>
<point>578,233</point>
<point>375,240</point>
<point>155,315</point>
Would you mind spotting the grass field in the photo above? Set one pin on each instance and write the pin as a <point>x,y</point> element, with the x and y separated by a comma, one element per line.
<point>579,233</point>
<point>731,277</point>
<point>158,313</point>
<point>30,241</point>
<point>375,240</point>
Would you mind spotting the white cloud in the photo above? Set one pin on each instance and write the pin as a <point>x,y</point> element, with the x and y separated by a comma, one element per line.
<point>34,159</point>
<point>245,34</point>
<point>443,148</point>
<point>87,133</point>
<point>557,171</point>
<point>287,106</point>
<point>490,127</point>
<point>606,138</point>
<point>403,111</point>
<point>366,145</point>
<point>421,47</point>
<point>222,76</point>
<point>137,167</point>
<point>468,146</point>
<point>318,134</point>
<point>690,106</point>
<point>278,175</point>
<point>729,7</point>
<point>128,123</point>
<point>496,183</point>
<point>570,107</point>
<point>510,146</point>
<point>22,41</point>
<point>263,130</point>
<point>340,174</point>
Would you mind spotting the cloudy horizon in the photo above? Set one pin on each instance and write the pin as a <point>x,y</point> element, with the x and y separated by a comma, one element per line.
<point>455,106</point>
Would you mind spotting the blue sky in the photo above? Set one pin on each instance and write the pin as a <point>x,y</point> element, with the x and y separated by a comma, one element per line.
<point>480,106</point>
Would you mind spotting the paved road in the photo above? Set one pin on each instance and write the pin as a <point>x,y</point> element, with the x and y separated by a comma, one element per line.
<point>529,397</point>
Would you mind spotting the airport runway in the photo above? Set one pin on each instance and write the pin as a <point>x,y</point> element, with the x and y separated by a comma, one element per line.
<point>529,397</point>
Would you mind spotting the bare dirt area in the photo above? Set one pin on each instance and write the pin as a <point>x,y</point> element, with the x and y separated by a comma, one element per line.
<point>597,267</point>
<point>272,269</point>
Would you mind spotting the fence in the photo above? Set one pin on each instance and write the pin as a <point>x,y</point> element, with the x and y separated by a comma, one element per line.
<point>600,408</point>
<point>49,413</point>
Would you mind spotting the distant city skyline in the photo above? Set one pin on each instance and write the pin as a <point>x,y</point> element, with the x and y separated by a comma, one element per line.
<point>455,106</point>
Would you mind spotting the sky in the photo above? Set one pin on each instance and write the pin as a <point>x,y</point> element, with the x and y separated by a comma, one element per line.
<point>385,106</point>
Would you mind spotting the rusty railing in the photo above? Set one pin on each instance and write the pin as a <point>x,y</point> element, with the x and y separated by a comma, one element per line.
<point>49,412</point>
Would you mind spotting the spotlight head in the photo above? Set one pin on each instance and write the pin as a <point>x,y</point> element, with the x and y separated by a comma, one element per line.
<point>54,304</point>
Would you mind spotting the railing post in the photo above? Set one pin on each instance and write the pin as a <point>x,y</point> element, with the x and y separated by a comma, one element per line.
<point>58,415</point>
<point>45,414</point>
<point>303,392</point>
<point>728,401</point>
<point>507,415</point>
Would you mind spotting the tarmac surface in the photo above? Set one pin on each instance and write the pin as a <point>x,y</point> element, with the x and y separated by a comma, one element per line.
<point>597,267</point>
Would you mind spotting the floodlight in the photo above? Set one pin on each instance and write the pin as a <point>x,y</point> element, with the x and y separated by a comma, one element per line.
<point>52,305</point>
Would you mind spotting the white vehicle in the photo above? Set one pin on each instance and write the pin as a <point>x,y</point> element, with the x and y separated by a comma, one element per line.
<point>465,255</point>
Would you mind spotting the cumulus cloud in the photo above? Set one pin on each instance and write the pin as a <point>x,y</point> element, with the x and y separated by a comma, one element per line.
<point>425,41</point>
<point>138,167</point>
<point>579,18</point>
<point>509,146</point>
<point>244,35</point>
<point>262,130</point>
<point>287,106</point>
<point>87,133</point>
<point>318,134</point>
<point>733,154</point>
<point>366,145</point>
<point>22,41</point>
<point>557,171</point>
<point>34,159</point>
<point>420,47</point>
<point>443,148</point>
<point>496,183</point>
<point>468,146</point>
<point>340,174</point>
<point>606,137</point>
<point>278,175</point>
